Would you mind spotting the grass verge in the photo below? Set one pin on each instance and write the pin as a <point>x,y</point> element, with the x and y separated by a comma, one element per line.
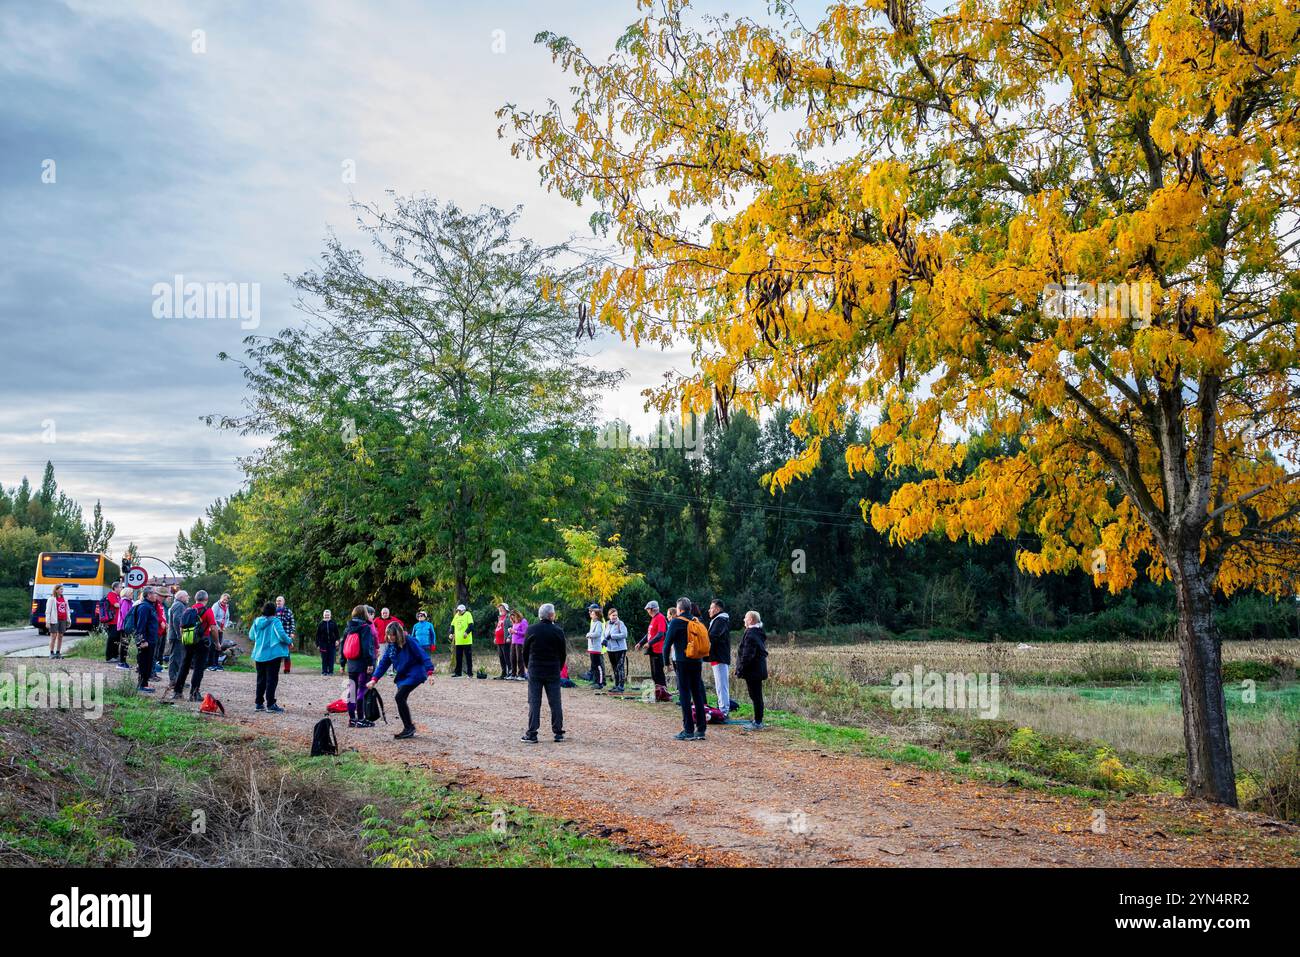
<point>149,785</point>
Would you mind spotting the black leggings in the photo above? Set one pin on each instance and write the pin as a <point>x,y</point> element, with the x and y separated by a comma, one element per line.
<point>617,665</point>
<point>465,652</point>
<point>597,667</point>
<point>517,660</point>
<point>755,686</point>
<point>503,655</point>
<point>403,709</point>
<point>268,677</point>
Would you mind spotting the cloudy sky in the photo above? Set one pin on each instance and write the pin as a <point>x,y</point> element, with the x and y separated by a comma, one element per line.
<point>133,150</point>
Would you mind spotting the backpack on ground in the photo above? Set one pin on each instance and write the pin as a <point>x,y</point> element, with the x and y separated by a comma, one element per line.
<point>212,705</point>
<point>662,694</point>
<point>711,715</point>
<point>337,707</point>
<point>697,639</point>
<point>323,741</point>
<point>372,706</point>
<point>352,646</point>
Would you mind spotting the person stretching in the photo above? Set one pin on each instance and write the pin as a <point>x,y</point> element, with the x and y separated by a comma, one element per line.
<point>411,667</point>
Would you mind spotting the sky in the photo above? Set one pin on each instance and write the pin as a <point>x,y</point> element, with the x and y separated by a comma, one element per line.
<point>134,149</point>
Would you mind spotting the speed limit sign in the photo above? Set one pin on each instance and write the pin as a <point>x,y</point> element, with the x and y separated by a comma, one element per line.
<point>136,577</point>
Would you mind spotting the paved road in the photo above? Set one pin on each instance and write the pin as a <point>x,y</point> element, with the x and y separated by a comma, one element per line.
<point>27,642</point>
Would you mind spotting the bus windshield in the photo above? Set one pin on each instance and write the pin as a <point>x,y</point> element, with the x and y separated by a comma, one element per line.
<point>61,565</point>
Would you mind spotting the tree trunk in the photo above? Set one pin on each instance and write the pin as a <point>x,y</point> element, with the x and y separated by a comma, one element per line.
<point>462,579</point>
<point>1205,713</point>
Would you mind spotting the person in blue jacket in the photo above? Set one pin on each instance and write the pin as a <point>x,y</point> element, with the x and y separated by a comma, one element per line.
<point>424,635</point>
<point>270,644</point>
<point>411,666</point>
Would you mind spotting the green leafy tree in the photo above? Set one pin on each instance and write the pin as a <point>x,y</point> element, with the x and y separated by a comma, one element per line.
<point>421,423</point>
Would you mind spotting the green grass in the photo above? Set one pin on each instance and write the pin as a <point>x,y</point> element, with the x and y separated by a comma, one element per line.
<point>430,823</point>
<point>959,762</point>
<point>1285,698</point>
<point>446,826</point>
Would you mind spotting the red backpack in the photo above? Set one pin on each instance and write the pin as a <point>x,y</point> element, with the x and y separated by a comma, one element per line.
<point>352,646</point>
<point>212,705</point>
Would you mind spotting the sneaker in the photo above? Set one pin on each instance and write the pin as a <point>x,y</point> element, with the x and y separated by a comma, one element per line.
<point>260,708</point>
<point>684,736</point>
<point>365,724</point>
<point>405,733</point>
<point>529,739</point>
<point>276,709</point>
<point>560,736</point>
<point>195,696</point>
<point>124,666</point>
<point>753,726</point>
<point>145,690</point>
<point>698,736</point>
<point>351,723</point>
<point>499,678</point>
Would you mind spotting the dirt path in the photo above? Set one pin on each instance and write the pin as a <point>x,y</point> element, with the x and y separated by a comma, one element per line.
<point>743,798</point>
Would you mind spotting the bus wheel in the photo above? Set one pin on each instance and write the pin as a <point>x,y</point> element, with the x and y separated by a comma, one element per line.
<point>42,631</point>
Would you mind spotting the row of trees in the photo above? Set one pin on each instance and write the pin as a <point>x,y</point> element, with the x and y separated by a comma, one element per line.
<point>44,519</point>
<point>432,440</point>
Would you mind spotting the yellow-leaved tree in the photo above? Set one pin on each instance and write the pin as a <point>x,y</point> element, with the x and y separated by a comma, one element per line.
<point>588,571</point>
<point>1071,223</point>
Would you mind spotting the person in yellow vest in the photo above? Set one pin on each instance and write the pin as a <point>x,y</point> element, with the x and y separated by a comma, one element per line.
<point>463,639</point>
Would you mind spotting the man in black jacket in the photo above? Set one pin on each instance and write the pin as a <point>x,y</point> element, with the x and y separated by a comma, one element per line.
<point>545,652</point>
<point>144,619</point>
<point>720,652</point>
<point>690,675</point>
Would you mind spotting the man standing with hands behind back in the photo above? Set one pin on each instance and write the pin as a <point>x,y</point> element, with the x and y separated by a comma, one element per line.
<point>285,614</point>
<point>545,653</point>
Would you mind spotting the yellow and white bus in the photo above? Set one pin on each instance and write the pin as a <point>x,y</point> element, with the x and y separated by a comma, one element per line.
<point>85,577</point>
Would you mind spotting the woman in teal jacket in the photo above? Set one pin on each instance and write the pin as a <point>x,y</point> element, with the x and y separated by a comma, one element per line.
<point>270,645</point>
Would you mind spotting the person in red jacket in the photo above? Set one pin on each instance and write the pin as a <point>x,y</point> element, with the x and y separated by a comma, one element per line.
<point>162,637</point>
<point>653,642</point>
<point>380,626</point>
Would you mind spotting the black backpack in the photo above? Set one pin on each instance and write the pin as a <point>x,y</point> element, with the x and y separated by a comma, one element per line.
<point>322,739</point>
<point>372,706</point>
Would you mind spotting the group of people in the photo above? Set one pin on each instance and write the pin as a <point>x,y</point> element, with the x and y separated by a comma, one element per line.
<point>167,628</point>
<point>535,653</point>
<point>371,644</point>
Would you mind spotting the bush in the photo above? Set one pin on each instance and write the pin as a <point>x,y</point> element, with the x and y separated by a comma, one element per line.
<point>1257,617</point>
<point>1250,671</point>
<point>15,606</point>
